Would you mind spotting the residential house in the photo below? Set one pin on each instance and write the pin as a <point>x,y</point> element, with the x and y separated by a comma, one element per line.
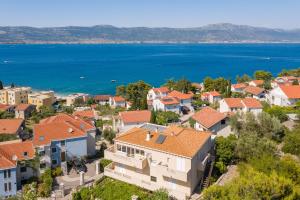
<point>24,111</point>
<point>117,101</point>
<point>157,93</point>
<point>102,99</point>
<point>43,98</point>
<point>255,92</point>
<point>14,96</point>
<point>167,103</point>
<point>284,95</point>
<point>11,126</point>
<point>211,97</point>
<point>61,138</point>
<point>198,86</point>
<point>13,171</point>
<point>228,105</point>
<point>239,87</point>
<point>87,114</point>
<point>284,80</point>
<point>209,119</point>
<point>185,100</point>
<point>173,158</point>
<point>130,119</point>
<point>7,108</point>
<point>256,83</point>
<point>76,98</point>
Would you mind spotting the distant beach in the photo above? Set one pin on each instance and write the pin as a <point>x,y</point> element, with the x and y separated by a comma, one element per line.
<point>90,69</point>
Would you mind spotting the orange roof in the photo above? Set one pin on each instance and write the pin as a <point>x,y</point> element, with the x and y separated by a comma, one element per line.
<point>161,90</point>
<point>10,126</point>
<point>291,91</point>
<point>168,100</point>
<point>254,90</point>
<point>180,141</point>
<point>102,97</point>
<point>12,151</point>
<point>180,95</point>
<point>137,116</point>
<point>252,103</point>
<point>208,117</point>
<point>258,82</point>
<point>4,107</point>
<point>212,93</point>
<point>239,85</point>
<point>240,103</point>
<point>85,114</point>
<point>118,99</point>
<point>59,127</point>
<point>22,107</point>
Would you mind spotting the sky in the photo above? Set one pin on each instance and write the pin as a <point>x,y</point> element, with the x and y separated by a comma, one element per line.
<point>150,13</point>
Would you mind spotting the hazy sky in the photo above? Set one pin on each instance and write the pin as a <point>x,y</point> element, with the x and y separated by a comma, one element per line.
<point>152,13</point>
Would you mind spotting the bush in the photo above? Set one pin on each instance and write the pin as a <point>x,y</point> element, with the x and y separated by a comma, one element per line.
<point>29,191</point>
<point>291,142</point>
<point>45,186</point>
<point>163,118</point>
<point>56,172</point>
<point>109,135</point>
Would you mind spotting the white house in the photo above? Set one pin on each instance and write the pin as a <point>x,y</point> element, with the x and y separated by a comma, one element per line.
<point>240,105</point>
<point>167,103</point>
<point>130,119</point>
<point>255,92</point>
<point>239,87</point>
<point>157,93</point>
<point>209,119</point>
<point>185,100</point>
<point>284,95</point>
<point>117,101</point>
<point>284,80</point>
<point>211,97</point>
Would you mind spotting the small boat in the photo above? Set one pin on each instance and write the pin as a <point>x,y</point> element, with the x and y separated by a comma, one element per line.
<point>5,61</point>
<point>81,77</point>
<point>113,81</point>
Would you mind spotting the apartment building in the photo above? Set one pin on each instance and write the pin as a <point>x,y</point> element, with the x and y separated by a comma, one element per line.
<point>154,157</point>
<point>242,105</point>
<point>14,96</point>
<point>61,138</point>
<point>76,98</point>
<point>43,98</point>
<point>129,119</point>
<point>13,171</point>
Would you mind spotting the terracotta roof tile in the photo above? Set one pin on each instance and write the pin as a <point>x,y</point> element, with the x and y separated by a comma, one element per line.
<point>90,114</point>
<point>168,100</point>
<point>137,116</point>
<point>180,141</point>
<point>239,85</point>
<point>23,107</point>
<point>291,91</point>
<point>234,102</point>
<point>258,82</point>
<point>102,97</point>
<point>161,90</point>
<point>241,103</point>
<point>212,93</point>
<point>10,126</point>
<point>4,107</point>
<point>251,103</point>
<point>59,127</point>
<point>180,96</point>
<point>118,99</point>
<point>254,90</point>
<point>208,117</point>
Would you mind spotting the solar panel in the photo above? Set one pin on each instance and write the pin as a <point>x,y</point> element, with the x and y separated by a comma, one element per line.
<point>160,139</point>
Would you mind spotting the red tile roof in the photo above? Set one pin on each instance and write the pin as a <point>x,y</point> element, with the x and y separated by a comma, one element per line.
<point>4,107</point>
<point>180,141</point>
<point>137,116</point>
<point>22,107</point>
<point>241,103</point>
<point>59,127</point>
<point>208,117</point>
<point>168,100</point>
<point>234,102</point>
<point>161,90</point>
<point>10,126</point>
<point>239,85</point>
<point>254,90</point>
<point>212,93</point>
<point>102,97</point>
<point>180,95</point>
<point>12,151</point>
<point>252,103</point>
<point>291,91</point>
<point>118,99</point>
<point>90,114</point>
<point>258,82</point>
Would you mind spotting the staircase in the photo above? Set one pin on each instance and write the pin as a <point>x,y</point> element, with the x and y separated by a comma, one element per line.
<point>207,173</point>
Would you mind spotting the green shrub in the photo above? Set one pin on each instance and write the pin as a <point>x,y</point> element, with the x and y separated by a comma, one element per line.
<point>291,142</point>
<point>104,163</point>
<point>57,172</point>
<point>45,184</point>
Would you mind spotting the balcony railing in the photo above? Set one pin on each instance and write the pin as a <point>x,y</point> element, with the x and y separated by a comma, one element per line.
<point>136,161</point>
<point>159,168</point>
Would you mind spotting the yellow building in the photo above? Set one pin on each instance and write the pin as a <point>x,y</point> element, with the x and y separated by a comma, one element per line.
<point>14,96</point>
<point>44,98</point>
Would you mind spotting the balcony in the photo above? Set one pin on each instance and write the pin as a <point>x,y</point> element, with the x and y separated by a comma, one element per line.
<point>136,161</point>
<point>201,165</point>
<point>164,170</point>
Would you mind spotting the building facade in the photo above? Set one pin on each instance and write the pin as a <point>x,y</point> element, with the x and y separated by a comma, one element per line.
<point>14,96</point>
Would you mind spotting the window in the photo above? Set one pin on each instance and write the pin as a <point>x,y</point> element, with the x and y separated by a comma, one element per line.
<point>137,151</point>
<point>9,186</point>
<point>62,143</point>
<point>25,153</point>
<point>23,169</point>
<point>42,165</point>
<point>123,148</point>
<point>153,178</point>
<point>7,173</point>
<point>223,122</point>
<point>54,162</point>
<point>118,147</point>
<point>41,153</point>
<point>142,152</point>
<point>5,187</point>
<point>53,149</point>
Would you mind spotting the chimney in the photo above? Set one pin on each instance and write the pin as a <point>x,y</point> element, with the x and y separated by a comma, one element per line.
<point>156,130</point>
<point>148,136</point>
<point>70,130</point>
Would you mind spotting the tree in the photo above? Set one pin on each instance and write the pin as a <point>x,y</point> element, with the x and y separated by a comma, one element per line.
<point>153,117</point>
<point>295,82</point>
<point>243,79</point>
<point>170,84</point>
<point>291,142</point>
<point>277,112</point>
<point>263,75</point>
<point>192,122</point>
<point>267,85</point>
<point>12,85</point>
<point>183,85</point>
<point>163,118</point>
<point>1,85</point>
<point>219,84</point>
<point>121,90</point>
<point>6,115</point>
<point>109,135</point>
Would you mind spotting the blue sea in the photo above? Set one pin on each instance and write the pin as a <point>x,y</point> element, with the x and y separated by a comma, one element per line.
<point>90,68</point>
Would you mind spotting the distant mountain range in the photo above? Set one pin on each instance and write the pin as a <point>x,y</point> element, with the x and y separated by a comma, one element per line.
<point>110,34</point>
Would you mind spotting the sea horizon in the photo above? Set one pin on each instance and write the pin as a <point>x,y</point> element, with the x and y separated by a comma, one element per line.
<point>90,68</point>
